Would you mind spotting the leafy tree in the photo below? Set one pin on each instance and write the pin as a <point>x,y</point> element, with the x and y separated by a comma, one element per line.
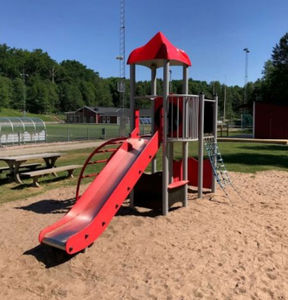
<point>102,94</point>
<point>53,97</point>
<point>37,97</point>
<point>70,97</point>
<point>18,94</point>
<point>5,91</point>
<point>40,63</point>
<point>88,92</point>
<point>275,74</point>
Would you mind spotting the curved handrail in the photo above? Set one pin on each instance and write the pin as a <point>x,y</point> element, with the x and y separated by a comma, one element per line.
<point>109,142</point>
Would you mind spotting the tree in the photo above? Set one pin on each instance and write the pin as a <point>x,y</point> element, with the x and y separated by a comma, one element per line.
<point>5,91</point>
<point>18,94</point>
<point>70,97</point>
<point>280,53</point>
<point>275,74</point>
<point>37,97</point>
<point>88,91</point>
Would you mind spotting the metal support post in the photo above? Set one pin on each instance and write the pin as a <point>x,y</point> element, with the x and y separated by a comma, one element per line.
<point>165,162</point>
<point>132,114</point>
<point>200,145</point>
<point>215,115</point>
<point>185,144</point>
<point>132,96</point>
<point>153,92</point>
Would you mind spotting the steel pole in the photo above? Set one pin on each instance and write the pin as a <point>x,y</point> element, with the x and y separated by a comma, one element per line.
<point>215,117</point>
<point>153,93</point>
<point>246,50</point>
<point>132,115</point>
<point>165,162</point>
<point>200,145</point>
<point>132,96</point>
<point>185,144</point>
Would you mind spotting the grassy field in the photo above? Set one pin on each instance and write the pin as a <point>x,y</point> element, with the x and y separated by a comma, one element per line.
<point>72,132</point>
<point>238,157</point>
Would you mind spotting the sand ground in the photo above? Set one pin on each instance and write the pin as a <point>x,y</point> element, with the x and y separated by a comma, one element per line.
<point>213,249</point>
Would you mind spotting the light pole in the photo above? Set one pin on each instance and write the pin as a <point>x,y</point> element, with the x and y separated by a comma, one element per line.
<point>24,75</point>
<point>121,58</point>
<point>121,90</point>
<point>246,50</point>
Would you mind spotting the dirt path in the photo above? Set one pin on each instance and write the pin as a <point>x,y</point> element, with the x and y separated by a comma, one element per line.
<point>49,147</point>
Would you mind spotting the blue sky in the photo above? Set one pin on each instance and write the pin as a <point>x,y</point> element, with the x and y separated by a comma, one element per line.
<point>213,33</point>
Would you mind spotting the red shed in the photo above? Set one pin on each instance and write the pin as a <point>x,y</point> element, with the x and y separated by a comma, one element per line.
<point>270,120</point>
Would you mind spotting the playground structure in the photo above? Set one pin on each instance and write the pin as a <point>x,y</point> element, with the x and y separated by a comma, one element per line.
<point>177,118</point>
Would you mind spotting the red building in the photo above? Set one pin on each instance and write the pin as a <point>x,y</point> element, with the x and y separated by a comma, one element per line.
<point>96,115</point>
<point>101,115</point>
<point>270,120</point>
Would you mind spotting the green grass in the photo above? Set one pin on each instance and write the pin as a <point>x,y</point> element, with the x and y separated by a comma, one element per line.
<point>238,157</point>
<point>70,132</point>
<point>8,112</point>
<point>235,132</point>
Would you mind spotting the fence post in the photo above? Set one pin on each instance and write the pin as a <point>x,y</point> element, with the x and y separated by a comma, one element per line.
<point>68,134</point>
<point>103,133</point>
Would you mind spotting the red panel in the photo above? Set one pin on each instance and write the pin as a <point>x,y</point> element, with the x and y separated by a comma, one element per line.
<point>177,184</point>
<point>136,132</point>
<point>156,51</point>
<point>177,170</point>
<point>193,172</point>
<point>271,121</point>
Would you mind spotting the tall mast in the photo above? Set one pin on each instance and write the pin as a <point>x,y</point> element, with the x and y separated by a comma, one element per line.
<point>122,60</point>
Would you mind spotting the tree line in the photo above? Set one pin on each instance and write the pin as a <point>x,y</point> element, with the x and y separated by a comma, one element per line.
<point>34,80</point>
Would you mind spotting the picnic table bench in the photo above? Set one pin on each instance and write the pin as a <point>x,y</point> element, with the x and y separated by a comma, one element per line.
<point>17,162</point>
<point>26,166</point>
<point>39,173</point>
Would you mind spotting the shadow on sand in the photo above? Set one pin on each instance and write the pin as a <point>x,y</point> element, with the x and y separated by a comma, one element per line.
<point>49,206</point>
<point>49,256</point>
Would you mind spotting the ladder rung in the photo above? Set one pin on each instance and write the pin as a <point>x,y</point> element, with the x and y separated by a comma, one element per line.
<point>100,161</point>
<point>107,150</point>
<point>116,143</point>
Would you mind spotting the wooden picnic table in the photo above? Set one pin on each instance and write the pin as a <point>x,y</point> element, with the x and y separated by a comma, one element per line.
<point>15,162</point>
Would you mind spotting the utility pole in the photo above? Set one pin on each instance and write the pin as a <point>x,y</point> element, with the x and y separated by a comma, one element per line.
<point>224,104</point>
<point>246,50</point>
<point>24,75</point>
<point>122,75</point>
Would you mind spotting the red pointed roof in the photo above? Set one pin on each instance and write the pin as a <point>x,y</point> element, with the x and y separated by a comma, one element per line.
<point>156,51</point>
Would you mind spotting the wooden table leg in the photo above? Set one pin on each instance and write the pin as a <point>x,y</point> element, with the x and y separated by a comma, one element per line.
<point>14,170</point>
<point>50,163</point>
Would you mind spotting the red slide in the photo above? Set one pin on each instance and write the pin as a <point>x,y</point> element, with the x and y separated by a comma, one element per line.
<point>93,211</point>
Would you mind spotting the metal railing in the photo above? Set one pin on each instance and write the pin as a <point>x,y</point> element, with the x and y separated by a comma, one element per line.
<point>183,114</point>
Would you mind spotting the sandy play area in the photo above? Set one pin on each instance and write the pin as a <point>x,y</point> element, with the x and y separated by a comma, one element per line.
<point>213,249</point>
